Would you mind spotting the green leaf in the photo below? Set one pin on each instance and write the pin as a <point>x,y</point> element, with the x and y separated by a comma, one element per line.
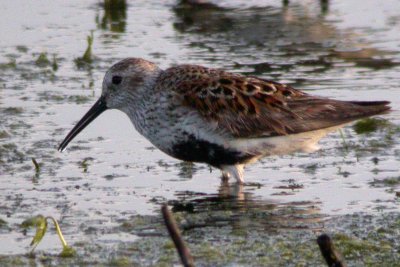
<point>41,227</point>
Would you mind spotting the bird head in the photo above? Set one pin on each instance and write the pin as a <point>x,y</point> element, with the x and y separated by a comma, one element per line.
<point>123,83</point>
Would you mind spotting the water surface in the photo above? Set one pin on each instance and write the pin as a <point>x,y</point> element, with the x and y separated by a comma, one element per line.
<point>345,50</point>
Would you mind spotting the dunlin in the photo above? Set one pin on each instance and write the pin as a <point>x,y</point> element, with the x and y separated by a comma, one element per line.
<point>227,120</point>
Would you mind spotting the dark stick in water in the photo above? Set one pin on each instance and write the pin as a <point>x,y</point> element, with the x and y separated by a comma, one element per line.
<point>173,230</point>
<point>328,251</point>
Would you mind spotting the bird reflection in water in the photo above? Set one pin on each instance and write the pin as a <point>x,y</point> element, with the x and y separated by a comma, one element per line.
<point>236,205</point>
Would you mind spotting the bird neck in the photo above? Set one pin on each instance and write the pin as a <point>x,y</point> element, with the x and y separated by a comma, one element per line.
<point>143,101</point>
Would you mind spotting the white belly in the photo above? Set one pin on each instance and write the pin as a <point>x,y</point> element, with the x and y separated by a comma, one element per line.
<point>286,144</point>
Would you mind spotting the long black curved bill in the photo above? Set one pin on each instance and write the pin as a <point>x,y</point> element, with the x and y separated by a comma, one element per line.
<point>98,108</point>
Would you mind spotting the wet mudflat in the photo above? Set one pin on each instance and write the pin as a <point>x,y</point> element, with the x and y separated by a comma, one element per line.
<point>106,189</point>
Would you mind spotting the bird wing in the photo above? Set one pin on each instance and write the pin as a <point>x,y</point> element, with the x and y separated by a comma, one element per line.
<point>252,107</point>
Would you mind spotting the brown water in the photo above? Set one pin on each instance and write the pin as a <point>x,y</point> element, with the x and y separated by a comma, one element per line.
<point>344,50</point>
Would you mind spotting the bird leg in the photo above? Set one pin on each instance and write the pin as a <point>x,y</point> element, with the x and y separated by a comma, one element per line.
<point>225,176</point>
<point>235,171</point>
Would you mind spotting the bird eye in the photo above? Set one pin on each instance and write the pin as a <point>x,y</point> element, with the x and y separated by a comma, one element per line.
<point>116,79</point>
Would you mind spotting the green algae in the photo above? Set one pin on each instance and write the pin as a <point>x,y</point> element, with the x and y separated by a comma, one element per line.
<point>22,48</point>
<point>120,262</point>
<point>138,223</point>
<point>114,16</point>
<point>366,251</point>
<point>13,261</point>
<point>13,110</point>
<point>209,252</point>
<point>387,182</point>
<point>352,247</point>
<point>363,240</point>
<point>85,163</point>
<point>169,245</point>
<point>4,134</point>
<point>12,64</point>
<point>54,63</point>
<point>375,135</point>
<point>51,96</point>
<point>79,99</point>
<point>87,58</point>
<point>42,61</point>
<point>67,252</point>
<point>88,55</point>
<point>3,223</point>
<point>370,125</point>
<point>9,153</point>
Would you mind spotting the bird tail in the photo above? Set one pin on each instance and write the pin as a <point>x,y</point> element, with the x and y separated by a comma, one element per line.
<point>318,113</point>
<point>370,108</point>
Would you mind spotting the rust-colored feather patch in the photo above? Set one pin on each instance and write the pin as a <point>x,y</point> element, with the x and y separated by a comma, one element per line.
<point>252,107</point>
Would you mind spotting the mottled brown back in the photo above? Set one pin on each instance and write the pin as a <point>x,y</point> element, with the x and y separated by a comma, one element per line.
<point>252,107</point>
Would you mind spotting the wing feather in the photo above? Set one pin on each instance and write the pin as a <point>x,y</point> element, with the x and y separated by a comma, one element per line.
<point>252,107</point>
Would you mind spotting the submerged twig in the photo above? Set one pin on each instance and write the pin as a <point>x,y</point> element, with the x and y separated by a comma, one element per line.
<point>173,230</point>
<point>328,251</point>
<point>36,164</point>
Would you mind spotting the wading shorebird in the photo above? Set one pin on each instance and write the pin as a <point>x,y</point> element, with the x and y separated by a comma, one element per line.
<point>226,120</point>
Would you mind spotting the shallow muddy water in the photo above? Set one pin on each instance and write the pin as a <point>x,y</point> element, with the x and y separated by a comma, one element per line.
<point>110,175</point>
